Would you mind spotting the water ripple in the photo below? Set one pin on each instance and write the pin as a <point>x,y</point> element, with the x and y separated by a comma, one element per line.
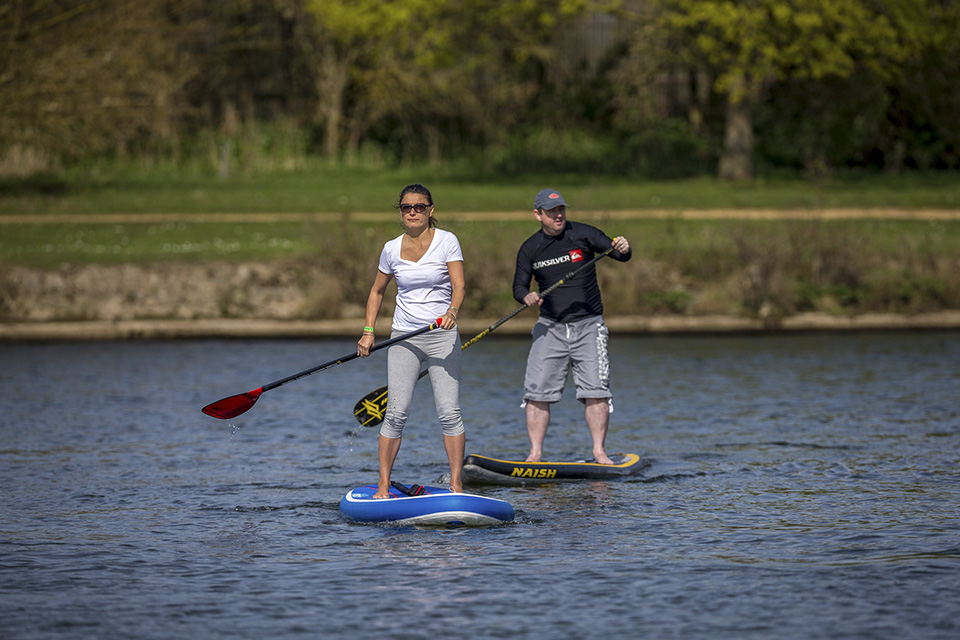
<point>797,486</point>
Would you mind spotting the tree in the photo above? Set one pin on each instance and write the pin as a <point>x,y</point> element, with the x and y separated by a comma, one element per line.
<point>354,36</point>
<point>423,64</point>
<point>746,44</point>
<point>80,77</point>
<point>924,130</point>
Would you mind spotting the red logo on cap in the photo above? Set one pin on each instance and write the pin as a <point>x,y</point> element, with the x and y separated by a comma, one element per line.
<point>576,255</point>
<point>554,195</point>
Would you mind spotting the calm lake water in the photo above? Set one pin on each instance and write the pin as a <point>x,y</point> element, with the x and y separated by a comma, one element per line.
<point>801,486</point>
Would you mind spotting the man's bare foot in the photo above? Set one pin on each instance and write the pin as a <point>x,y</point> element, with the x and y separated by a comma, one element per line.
<point>603,459</point>
<point>457,489</point>
<point>533,457</point>
<point>381,494</point>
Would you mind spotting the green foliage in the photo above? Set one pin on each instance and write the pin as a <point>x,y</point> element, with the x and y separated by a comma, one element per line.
<point>924,130</point>
<point>416,74</point>
<point>903,290</point>
<point>872,119</point>
<point>555,151</point>
<point>803,39</point>
<point>42,184</point>
<point>674,301</point>
<point>830,298</point>
<point>82,78</point>
<point>747,45</point>
<point>828,123</point>
<point>667,149</point>
<point>247,86</point>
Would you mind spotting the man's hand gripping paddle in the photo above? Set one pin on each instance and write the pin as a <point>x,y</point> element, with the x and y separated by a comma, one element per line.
<point>371,408</point>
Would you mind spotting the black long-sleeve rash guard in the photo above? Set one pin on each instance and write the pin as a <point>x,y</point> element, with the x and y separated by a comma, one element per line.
<point>549,258</point>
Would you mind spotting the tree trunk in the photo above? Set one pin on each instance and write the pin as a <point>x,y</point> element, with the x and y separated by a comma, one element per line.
<point>432,133</point>
<point>736,163</point>
<point>331,87</point>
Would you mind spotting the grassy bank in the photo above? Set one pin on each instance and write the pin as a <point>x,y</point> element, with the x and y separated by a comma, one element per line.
<point>753,268</point>
<point>131,189</point>
<point>761,268</point>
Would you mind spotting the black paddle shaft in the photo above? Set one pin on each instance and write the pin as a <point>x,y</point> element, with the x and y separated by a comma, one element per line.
<point>347,358</point>
<point>543,294</point>
<point>232,406</point>
<point>371,408</point>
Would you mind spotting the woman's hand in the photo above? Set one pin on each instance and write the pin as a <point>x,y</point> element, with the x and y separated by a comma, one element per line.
<point>364,344</point>
<point>449,319</point>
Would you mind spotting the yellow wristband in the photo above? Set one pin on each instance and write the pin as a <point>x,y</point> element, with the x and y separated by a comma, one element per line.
<point>368,329</point>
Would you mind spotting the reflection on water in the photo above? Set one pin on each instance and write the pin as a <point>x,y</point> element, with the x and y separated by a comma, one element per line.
<point>797,486</point>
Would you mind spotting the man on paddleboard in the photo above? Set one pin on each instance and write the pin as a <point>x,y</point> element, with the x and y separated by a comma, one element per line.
<point>570,331</point>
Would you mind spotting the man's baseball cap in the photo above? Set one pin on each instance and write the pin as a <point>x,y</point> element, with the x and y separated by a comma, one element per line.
<point>548,199</point>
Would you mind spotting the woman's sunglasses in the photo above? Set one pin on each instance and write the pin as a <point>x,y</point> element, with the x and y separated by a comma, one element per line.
<point>418,208</point>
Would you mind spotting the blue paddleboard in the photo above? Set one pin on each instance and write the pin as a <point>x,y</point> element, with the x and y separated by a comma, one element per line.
<point>432,506</point>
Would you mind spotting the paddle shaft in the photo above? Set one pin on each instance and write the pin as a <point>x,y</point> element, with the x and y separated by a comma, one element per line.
<point>233,406</point>
<point>347,358</point>
<point>543,294</point>
<point>369,410</point>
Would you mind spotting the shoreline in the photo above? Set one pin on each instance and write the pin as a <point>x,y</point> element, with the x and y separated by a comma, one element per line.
<point>618,325</point>
<point>837,213</point>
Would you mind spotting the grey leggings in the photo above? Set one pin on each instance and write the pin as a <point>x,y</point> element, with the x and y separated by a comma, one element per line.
<point>440,350</point>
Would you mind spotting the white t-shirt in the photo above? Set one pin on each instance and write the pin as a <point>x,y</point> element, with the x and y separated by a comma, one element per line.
<point>424,291</point>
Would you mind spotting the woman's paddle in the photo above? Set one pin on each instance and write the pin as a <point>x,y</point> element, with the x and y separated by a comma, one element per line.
<point>371,408</point>
<point>233,406</point>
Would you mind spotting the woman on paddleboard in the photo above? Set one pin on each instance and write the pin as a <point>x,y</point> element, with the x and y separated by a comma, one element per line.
<point>570,331</point>
<point>428,265</point>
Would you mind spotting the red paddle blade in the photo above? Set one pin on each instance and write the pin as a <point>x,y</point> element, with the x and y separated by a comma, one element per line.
<point>233,406</point>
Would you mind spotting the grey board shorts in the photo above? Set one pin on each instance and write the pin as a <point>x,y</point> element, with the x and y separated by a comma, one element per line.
<point>559,347</point>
